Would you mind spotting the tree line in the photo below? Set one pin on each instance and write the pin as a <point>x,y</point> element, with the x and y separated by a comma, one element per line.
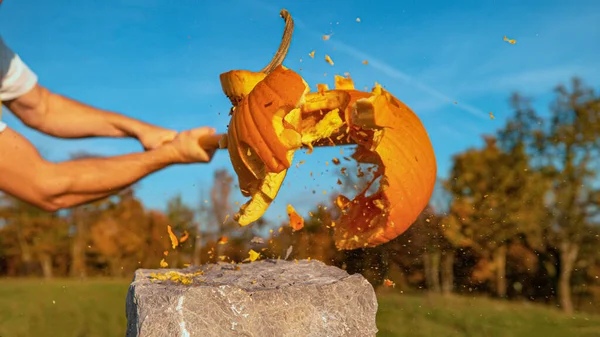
<point>516,218</point>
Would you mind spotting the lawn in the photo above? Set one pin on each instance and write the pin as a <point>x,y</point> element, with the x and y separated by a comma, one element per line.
<point>73,308</point>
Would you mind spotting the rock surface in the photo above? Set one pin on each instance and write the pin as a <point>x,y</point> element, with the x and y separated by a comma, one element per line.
<point>266,298</point>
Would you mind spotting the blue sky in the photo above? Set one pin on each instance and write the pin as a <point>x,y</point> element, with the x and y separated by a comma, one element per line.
<point>160,61</point>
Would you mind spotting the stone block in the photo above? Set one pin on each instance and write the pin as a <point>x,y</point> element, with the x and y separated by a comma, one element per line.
<point>263,298</point>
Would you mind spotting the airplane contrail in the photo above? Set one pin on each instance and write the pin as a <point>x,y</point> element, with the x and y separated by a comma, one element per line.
<point>395,73</point>
<point>382,66</point>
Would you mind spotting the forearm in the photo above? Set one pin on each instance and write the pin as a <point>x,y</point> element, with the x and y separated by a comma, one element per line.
<point>72,200</point>
<point>83,180</point>
<point>67,118</point>
<point>62,117</point>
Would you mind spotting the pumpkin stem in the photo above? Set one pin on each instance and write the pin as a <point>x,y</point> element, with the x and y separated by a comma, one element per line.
<point>285,43</point>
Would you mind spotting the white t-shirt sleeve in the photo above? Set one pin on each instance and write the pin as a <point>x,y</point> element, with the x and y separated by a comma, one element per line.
<point>16,78</point>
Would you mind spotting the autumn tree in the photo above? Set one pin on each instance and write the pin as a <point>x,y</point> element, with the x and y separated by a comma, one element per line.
<point>427,236</point>
<point>39,235</point>
<point>439,206</point>
<point>80,219</point>
<point>568,154</point>
<point>492,193</point>
<point>119,235</point>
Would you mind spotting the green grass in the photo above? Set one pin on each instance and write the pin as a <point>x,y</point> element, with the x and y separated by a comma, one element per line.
<point>72,308</point>
<point>435,315</point>
<point>62,308</point>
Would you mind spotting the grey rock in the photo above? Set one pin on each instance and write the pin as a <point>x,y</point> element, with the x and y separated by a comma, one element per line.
<point>264,298</point>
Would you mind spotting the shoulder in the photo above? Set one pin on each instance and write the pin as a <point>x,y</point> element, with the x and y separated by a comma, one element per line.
<point>16,78</point>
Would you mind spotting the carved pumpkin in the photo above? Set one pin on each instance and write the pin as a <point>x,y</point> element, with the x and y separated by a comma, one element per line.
<point>274,114</point>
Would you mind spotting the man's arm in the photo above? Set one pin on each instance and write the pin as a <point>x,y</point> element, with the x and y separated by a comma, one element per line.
<point>62,117</point>
<point>53,186</point>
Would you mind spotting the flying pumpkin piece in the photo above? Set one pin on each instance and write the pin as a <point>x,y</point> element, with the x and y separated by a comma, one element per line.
<point>328,59</point>
<point>184,237</point>
<point>252,255</point>
<point>296,221</point>
<point>511,41</point>
<point>223,240</point>
<point>174,241</point>
<point>274,114</point>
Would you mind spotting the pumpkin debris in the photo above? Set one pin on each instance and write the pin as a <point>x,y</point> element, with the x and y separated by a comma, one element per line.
<point>174,241</point>
<point>312,54</point>
<point>342,202</point>
<point>175,276</point>
<point>223,240</point>
<point>328,59</point>
<point>252,255</point>
<point>184,237</point>
<point>300,163</point>
<point>296,221</point>
<point>163,263</point>
<point>511,41</point>
<point>389,283</point>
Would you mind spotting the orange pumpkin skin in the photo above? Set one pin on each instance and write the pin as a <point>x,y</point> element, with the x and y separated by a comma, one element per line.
<point>259,139</point>
<point>253,117</point>
<point>408,172</point>
<point>387,132</point>
<point>255,148</point>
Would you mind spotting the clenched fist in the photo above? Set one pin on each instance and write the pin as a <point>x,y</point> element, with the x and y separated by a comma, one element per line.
<point>195,145</point>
